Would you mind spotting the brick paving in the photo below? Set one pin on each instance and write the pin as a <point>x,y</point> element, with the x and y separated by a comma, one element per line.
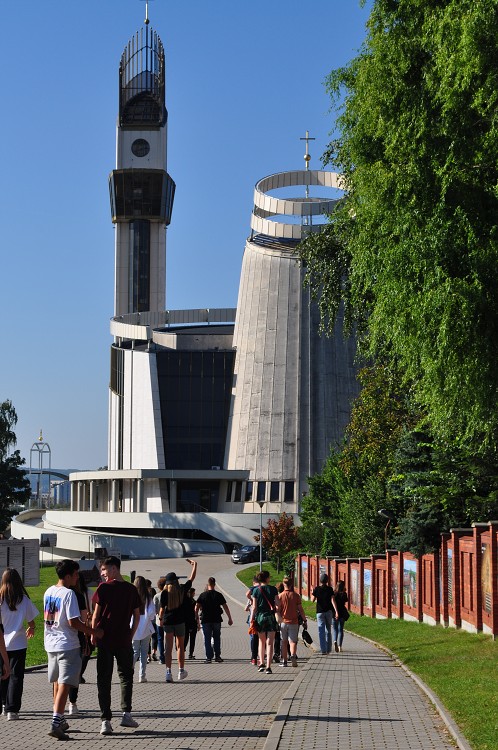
<point>358,700</point>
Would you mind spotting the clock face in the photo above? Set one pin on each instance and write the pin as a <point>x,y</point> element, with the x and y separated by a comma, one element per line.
<point>140,147</point>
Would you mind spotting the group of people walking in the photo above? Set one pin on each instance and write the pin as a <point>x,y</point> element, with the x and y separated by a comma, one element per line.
<point>120,620</point>
<point>275,613</point>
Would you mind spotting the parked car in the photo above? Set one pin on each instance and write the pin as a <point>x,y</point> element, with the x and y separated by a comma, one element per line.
<point>246,554</point>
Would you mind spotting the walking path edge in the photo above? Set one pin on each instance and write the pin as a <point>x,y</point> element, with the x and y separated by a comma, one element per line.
<point>451,725</point>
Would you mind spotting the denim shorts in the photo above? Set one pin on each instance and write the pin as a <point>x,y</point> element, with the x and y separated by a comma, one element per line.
<point>289,631</point>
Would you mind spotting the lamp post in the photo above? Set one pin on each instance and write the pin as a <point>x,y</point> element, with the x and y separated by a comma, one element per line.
<point>390,517</point>
<point>260,503</point>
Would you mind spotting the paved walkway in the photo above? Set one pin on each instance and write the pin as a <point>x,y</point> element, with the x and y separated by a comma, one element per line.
<point>358,699</point>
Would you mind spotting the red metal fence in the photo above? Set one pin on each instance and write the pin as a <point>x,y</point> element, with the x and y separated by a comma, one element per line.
<point>457,586</point>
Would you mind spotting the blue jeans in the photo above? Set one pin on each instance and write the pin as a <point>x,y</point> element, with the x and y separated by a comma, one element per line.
<point>212,630</point>
<point>338,630</point>
<point>324,620</point>
<point>160,642</point>
<point>140,652</point>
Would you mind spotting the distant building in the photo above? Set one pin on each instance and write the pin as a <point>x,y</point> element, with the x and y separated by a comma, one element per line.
<point>213,414</point>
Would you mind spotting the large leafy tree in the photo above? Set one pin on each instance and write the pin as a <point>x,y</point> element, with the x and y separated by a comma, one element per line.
<point>14,485</point>
<point>319,532</point>
<point>280,538</point>
<point>417,230</point>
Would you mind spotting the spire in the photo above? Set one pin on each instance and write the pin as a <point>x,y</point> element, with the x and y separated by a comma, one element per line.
<point>307,156</point>
<point>146,21</point>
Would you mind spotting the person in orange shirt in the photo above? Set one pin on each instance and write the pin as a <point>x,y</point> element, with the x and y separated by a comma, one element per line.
<point>290,608</point>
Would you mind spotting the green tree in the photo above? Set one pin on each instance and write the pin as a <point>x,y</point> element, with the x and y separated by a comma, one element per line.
<point>279,538</point>
<point>14,484</point>
<point>379,416</point>
<point>319,531</point>
<point>436,487</point>
<point>417,145</point>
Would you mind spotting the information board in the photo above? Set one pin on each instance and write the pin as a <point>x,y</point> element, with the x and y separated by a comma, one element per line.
<point>24,556</point>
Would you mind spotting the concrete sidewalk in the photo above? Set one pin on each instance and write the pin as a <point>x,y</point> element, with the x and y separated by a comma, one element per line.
<point>356,699</point>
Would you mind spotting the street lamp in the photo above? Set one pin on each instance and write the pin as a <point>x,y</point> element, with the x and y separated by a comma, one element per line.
<point>260,503</point>
<point>390,517</point>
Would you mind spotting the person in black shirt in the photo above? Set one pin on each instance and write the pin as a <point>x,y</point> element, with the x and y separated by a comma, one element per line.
<point>322,595</point>
<point>191,623</point>
<point>173,615</point>
<point>210,604</point>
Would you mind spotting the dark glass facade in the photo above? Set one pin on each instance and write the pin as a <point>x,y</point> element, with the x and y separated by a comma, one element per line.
<point>139,266</point>
<point>195,390</point>
<point>141,194</point>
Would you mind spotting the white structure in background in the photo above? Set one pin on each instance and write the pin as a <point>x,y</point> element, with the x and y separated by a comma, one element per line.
<point>213,414</point>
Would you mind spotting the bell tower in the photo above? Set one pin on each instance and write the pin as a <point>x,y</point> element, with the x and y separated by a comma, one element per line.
<point>141,190</point>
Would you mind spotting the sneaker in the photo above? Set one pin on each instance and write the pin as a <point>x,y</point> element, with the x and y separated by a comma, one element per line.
<point>148,660</point>
<point>276,658</point>
<point>283,664</point>
<point>12,716</point>
<point>128,721</point>
<point>169,676</point>
<point>336,647</point>
<point>191,656</point>
<point>218,659</point>
<point>106,727</point>
<point>207,661</point>
<point>142,679</point>
<point>294,660</point>
<point>254,662</point>
<point>182,674</point>
<point>340,649</point>
<point>261,668</point>
<point>64,725</point>
<point>268,670</point>
<point>4,712</point>
<point>73,710</point>
<point>58,733</point>
<point>154,657</point>
<point>161,661</point>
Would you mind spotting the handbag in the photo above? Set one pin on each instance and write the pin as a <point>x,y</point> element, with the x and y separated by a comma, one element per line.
<point>253,630</point>
<point>306,637</point>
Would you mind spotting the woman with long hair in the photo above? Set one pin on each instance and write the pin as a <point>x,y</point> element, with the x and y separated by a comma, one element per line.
<point>16,609</point>
<point>264,610</point>
<point>341,614</point>
<point>141,639</point>
<point>173,616</point>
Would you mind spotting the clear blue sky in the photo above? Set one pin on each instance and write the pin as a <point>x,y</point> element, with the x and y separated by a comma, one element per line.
<point>244,82</point>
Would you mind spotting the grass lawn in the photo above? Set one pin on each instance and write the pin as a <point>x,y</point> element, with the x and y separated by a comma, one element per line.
<point>461,668</point>
<point>36,653</point>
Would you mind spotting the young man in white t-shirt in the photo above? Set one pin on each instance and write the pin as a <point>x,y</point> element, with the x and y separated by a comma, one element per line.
<point>62,623</point>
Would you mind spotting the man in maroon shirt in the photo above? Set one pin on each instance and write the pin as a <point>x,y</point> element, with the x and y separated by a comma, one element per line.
<point>116,604</point>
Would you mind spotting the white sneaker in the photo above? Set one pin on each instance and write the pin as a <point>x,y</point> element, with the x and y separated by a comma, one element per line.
<point>73,709</point>
<point>142,679</point>
<point>106,727</point>
<point>11,716</point>
<point>169,676</point>
<point>128,721</point>
<point>182,674</point>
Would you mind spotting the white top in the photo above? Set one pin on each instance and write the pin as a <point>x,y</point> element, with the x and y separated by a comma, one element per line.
<point>145,626</point>
<point>157,605</point>
<point>59,606</point>
<point>13,623</point>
